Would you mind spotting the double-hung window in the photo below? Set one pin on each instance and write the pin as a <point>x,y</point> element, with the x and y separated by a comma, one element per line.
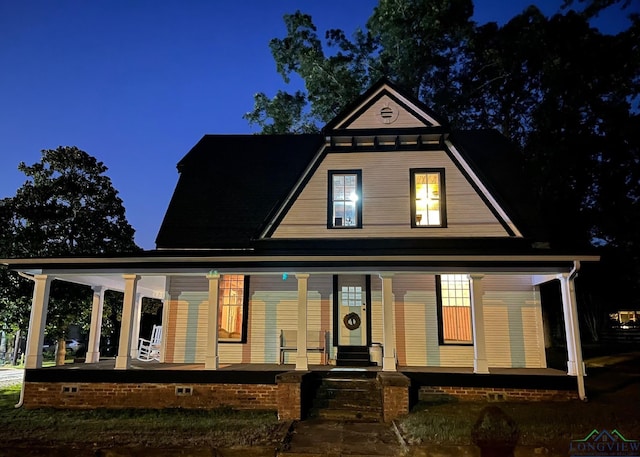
<point>454,309</point>
<point>427,198</point>
<point>232,312</point>
<point>345,199</point>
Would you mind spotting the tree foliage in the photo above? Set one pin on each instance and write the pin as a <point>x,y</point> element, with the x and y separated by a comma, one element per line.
<point>67,206</point>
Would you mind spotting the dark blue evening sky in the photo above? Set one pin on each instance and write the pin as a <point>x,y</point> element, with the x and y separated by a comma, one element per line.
<point>137,83</point>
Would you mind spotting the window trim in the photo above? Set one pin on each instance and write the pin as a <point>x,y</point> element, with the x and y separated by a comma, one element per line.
<point>439,314</point>
<point>245,313</point>
<point>443,200</point>
<point>330,222</point>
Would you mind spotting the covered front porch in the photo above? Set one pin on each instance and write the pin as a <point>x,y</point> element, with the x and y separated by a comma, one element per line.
<point>398,308</point>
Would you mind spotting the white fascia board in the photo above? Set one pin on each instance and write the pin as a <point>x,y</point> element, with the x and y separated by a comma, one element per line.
<point>483,189</point>
<point>123,264</point>
<point>404,100</point>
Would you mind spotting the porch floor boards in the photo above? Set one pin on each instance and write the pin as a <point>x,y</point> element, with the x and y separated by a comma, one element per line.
<point>109,364</point>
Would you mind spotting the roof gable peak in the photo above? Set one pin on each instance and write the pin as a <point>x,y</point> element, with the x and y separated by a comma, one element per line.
<point>383,106</point>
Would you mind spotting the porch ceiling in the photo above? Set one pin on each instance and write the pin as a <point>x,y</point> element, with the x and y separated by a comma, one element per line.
<point>148,286</point>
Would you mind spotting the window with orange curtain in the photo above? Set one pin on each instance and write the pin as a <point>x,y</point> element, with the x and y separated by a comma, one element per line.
<point>231,309</point>
<point>454,303</point>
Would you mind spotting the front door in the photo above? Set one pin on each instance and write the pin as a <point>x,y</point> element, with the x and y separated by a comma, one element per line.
<point>352,310</point>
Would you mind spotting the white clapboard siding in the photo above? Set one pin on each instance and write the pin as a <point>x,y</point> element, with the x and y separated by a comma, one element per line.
<point>512,319</point>
<point>376,310</point>
<point>371,117</point>
<point>496,316</point>
<point>386,199</point>
<point>273,306</point>
<point>410,297</point>
<point>188,300</point>
<point>513,322</point>
<point>415,334</point>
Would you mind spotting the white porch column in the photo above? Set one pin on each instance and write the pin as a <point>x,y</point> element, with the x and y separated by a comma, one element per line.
<point>37,321</point>
<point>388,338</point>
<point>123,359</point>
<point>211,360</point>
<point>480,364</point>
<point>166,303</point>
<point>135,326</point>
<point>302,361</point>
<point>575,364</point>
<point>93,349</point>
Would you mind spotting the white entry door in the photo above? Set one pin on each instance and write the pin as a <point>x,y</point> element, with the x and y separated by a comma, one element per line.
<point>352,310</point>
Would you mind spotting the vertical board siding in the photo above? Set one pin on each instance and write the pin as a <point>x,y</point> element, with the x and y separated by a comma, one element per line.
<point>386,210</point>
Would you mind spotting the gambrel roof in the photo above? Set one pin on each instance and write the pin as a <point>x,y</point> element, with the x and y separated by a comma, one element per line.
<point>234,190</point>
<point>229,185</point>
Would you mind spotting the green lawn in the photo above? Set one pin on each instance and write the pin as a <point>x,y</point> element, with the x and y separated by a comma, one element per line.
<point>134,427</point>
<point>614,399</point>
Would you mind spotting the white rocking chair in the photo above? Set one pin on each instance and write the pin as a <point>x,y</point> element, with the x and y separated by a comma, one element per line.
<point>150,349</point>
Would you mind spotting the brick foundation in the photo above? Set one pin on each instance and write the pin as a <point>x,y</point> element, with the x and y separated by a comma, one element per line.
<point>149,395</point>
<point>494,394</point>
<point>290,395</point>
<point>395,395</point>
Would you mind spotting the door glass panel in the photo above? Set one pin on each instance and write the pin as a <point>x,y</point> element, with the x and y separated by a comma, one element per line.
<point>352,327</point>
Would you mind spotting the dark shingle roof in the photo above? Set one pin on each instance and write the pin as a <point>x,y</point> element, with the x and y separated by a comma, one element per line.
<point>500,166</point>
<point>229,185</point>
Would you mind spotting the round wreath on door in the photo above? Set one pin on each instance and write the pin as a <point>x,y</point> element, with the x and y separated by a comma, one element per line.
<point>352,321</point>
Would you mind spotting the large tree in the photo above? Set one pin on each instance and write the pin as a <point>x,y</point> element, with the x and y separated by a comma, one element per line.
<point>420,44</point>
<point>67,206</point>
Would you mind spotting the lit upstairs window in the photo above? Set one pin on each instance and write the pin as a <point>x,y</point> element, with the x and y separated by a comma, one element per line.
<point>345,202</point>
<point>427,198</point>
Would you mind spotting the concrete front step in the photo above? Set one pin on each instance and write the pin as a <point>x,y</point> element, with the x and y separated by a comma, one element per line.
<point>351,406</point>
<point>338,397</point>
<point>350,414</point>
<point>348,399</point>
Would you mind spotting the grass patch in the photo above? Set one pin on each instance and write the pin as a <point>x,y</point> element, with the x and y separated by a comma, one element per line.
<point>544,423</point>
<point>100,428</point>
<point>613,404</point>
<point>9,396</point>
